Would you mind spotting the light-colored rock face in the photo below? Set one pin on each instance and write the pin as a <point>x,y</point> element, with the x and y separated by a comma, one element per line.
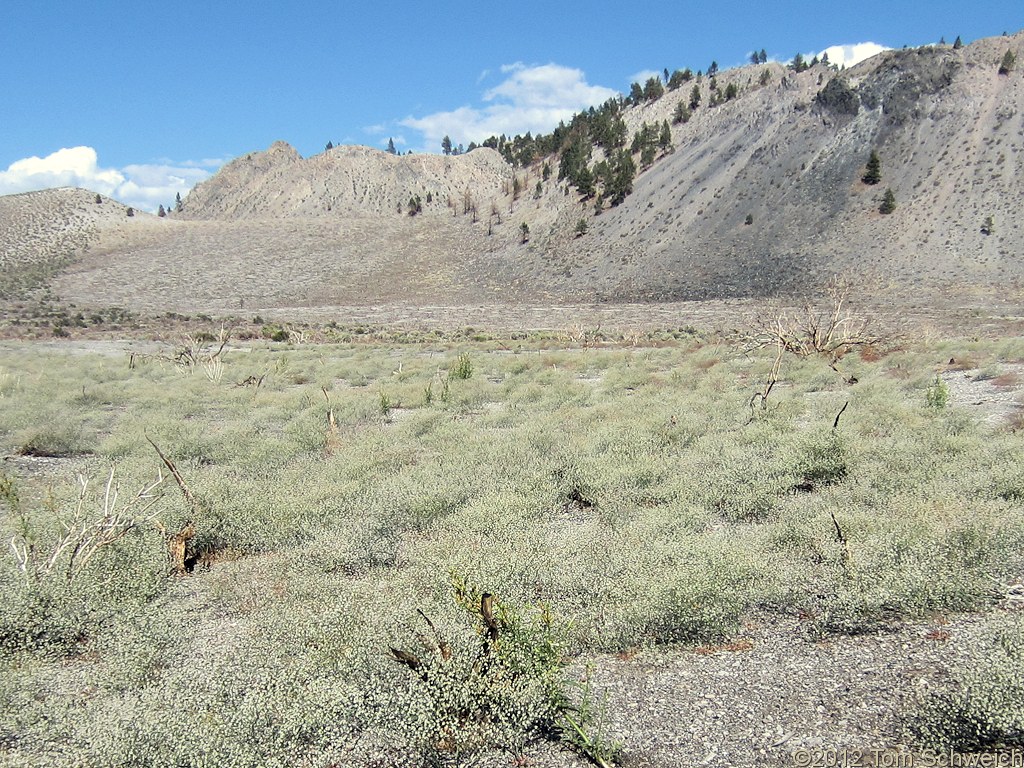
<point>343,181</point>
<point>278,229</point>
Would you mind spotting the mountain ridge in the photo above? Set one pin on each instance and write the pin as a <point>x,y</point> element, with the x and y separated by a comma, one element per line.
<point>760,195</point>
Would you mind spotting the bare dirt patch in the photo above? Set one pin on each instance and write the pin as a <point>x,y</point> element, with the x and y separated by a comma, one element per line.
<point>994,395</point>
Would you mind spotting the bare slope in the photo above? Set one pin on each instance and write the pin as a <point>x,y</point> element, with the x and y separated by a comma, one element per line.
<point>40,232</point>
<point>275,230</point>
<point>949,132</point>
<point>342,181</point>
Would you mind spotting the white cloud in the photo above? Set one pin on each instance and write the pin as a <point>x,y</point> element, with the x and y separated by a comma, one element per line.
<point>848,55</point>
<point>74,167</point>
<point>144,186</point>
<point>530,99</point>
<point>643,76</point>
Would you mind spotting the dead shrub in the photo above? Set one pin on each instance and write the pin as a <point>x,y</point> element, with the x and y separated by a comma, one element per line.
<point>826,328</point>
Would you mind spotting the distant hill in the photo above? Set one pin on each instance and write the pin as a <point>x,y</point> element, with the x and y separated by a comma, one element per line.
<point>42,232</point>
<point>759,195</point>
<point>343,181</point>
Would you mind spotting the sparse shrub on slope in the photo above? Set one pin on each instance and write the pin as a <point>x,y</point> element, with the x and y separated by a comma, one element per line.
<point>873,170</point>
<point>888,204</point>
<point>837,96</point>
<point>1008,63</point>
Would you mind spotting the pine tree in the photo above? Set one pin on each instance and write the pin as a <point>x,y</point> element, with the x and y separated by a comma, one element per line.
<point>681,115</point>
<point>446,145</point>
<point>1007,64</point>
<point>161,212</point>
<point>524,232</point>
<point>99,200</point>
<point>873,171</point>
<point>329,147</point>
<point>178,204</point>
<point>621,171</point>
<point>665,138</point>
<point>584,181</point>
<point>653,89</point>
<point>958,43</point>
<point>888,203</point>
<point>695,97</point>
<point>677,79</point>
<point>391,147</point>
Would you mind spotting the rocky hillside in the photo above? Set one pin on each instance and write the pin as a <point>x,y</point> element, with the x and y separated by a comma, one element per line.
<point>342,181</point>
<point>788,158</point>
<point>41,232</point>
<point>759,194</point>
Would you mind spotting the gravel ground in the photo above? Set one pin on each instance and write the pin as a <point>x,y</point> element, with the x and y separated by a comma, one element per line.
<point>776,695</point>
<point>777,692</point>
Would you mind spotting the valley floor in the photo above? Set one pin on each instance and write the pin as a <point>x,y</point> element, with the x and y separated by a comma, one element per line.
<point>676,568</point>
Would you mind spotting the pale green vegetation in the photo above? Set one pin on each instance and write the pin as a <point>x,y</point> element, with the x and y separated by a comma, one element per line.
<point>983,709</point>
<point>608,499</point>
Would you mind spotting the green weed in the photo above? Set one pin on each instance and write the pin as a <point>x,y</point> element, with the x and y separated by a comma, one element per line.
<point>937,394</point>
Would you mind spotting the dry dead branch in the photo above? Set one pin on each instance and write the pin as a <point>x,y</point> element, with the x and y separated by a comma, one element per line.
<point>835,424</point>
<point>87,533</point>
<point>251,381</point>
<point>194,355</point>
<point>332,441</point>
<point>829,330</point>
<point>771,381</point>
<point>585,337</point>
<point>177,542</point>
<point>438,644</point>
<point>844,543</point>
<point>190,498</point>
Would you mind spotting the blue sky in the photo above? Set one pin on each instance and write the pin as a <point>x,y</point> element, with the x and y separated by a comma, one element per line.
<point>148,99</point>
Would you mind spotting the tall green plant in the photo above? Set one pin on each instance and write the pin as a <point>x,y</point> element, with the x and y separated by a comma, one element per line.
<point>510,673</point>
